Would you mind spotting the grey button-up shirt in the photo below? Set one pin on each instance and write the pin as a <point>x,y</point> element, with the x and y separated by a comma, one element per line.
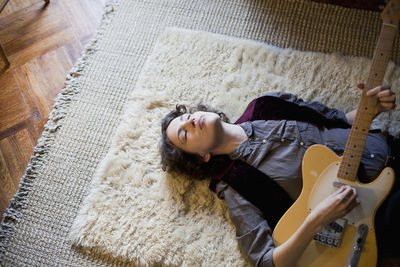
<point>276,147</point>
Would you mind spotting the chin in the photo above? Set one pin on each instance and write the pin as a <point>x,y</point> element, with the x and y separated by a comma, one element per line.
<point>212,119</point>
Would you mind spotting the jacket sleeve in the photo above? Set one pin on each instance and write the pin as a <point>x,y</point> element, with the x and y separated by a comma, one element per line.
<point>329,113</point>
<point>252,230</point>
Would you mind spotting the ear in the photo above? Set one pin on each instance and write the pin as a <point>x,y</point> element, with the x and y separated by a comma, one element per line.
<point>204,158</point>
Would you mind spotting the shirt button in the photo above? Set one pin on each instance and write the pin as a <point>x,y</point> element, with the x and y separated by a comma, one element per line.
<point>302,143</point>
<point>264,141</point>
<point>282,140</point>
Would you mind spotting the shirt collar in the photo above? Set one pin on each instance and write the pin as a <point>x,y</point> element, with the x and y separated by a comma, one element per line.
<point>242,149</point>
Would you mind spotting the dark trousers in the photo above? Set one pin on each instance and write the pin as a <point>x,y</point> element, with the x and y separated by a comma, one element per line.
<point>387,219</point>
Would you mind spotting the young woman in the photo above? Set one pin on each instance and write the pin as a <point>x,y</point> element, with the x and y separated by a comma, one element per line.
<point>201,142</point>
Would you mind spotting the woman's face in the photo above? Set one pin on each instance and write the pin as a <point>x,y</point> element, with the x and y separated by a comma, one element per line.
<point>197,133</point>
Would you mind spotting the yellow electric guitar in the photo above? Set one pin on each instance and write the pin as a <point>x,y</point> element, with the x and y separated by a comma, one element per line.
<point>351,240</point>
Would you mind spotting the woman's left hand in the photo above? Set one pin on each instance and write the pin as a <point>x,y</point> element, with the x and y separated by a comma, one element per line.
<point>386,97</point>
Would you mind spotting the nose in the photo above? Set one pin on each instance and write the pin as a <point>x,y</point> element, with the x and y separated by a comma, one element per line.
<point>189,123</point>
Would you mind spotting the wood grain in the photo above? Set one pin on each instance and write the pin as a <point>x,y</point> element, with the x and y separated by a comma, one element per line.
<point>42,43</point>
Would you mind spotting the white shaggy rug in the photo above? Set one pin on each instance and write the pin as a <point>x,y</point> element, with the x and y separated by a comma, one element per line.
<point>136,211</point>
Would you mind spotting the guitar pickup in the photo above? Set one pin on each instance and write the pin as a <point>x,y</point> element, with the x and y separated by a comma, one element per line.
<point>338,184</point>
<point>336,227</point>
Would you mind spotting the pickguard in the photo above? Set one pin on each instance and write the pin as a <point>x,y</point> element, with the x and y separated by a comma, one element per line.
<point>370,195</point>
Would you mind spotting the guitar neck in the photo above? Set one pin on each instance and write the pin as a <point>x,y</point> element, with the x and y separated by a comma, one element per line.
<point>366,108</point>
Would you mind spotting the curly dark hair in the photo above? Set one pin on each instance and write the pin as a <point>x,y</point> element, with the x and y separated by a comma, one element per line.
<point>177,160</point>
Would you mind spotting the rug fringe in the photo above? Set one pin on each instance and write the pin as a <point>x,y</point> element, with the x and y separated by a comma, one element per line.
<point>59,111</point>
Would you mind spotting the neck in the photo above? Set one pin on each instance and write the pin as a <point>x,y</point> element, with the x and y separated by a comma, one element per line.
<point>233,135</point>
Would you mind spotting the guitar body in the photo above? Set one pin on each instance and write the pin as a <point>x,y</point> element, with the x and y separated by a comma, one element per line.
<point>320,167</point>
<point>351,240</point>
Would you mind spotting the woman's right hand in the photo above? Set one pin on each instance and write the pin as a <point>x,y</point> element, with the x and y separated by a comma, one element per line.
<point>331,208</point>
<point>335,205</point>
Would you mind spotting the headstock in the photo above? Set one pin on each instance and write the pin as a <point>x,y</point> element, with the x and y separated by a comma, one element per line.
<point>391,12</point>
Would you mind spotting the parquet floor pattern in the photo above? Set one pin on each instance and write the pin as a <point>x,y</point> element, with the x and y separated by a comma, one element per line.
<point>42,42</point>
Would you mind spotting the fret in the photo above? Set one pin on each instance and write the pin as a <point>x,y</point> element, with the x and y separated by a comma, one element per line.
<point>367,113</point>
<point>376,66</point>
<point>376,70</point>
<point>387,42</point>
<point>389,51</point>
<point>357,144</point>
<point>358,128</point>
<point>376,75</point>
<point>364,114</point>
<point>366,108</point>
<point>361,127</point>
<point>345,170</point>
<point>357,151</point>
<point>361,135</point>
<point>350,176</point>
<point>362,120</point>
<point>361,123</point>
<point>387,33</point>
<point>354,161</point>
<point>352,168</point>
<point>348,171</point>
<point>345,166</point>
<point>384,38</point>
<point>369,105</point>
<point>379,63</point>
<point>381,57</point>
<point>385,46</point>
<point>390,25</point>
<point>384,53</point>
<point>356,141</point>
<point>372,84</point>
<point>361,131</point>
<point>381,60</point>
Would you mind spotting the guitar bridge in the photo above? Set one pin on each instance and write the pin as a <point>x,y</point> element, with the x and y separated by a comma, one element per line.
<point>331,234</point>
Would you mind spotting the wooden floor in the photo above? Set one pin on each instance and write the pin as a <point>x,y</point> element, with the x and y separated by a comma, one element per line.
<point>42,43</point>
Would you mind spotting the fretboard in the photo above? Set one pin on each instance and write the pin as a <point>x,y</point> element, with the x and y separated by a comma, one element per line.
<point>366,108</point>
